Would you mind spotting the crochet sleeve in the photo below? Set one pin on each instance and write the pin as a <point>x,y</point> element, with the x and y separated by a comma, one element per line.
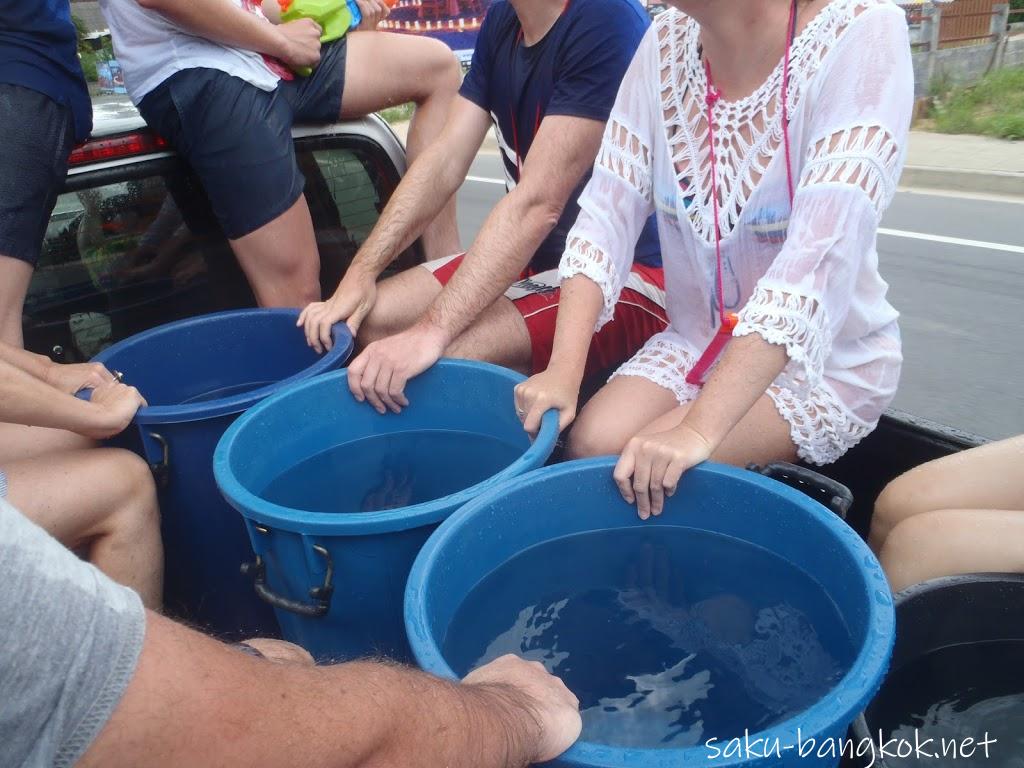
<point>860,109</point>
<point>617,201</point>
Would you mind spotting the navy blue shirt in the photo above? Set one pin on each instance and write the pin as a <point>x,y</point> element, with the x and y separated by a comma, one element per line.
<point>39,50</point>
<point>574,70</point>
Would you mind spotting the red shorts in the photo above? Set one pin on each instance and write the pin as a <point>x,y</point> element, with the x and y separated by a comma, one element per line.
<point>639,314</point>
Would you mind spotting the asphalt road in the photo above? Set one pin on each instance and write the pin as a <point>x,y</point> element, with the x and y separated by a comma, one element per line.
<point>955,266</point>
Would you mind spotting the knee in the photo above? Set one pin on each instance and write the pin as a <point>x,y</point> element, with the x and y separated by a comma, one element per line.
<point>894,504</point>
<point>139,503</point>
<point>912,548</point>
<point>373,329</point>
<point>441,70</point>
<point>590,438</point>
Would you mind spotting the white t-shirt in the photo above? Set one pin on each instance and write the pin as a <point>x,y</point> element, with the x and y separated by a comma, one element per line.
<point>151,48</point>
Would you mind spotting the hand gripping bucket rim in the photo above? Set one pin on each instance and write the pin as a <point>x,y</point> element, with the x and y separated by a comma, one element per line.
<point>164,414</point>
<point>871,662</point>
<point>260,510</point>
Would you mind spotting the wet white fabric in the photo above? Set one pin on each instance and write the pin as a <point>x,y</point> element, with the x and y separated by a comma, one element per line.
<point>71,639</point>
<point>151,48</point>
<point>805,277</point>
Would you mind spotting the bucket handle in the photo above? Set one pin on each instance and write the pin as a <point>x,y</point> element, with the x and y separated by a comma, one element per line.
<point>321,595</point>
<point>834,495</point>
<point>161,469</point>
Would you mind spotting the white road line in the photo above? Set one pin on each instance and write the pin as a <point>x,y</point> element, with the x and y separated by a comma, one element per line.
<point>952,240</point>
<point>485,180</point>
<point>881,230</point>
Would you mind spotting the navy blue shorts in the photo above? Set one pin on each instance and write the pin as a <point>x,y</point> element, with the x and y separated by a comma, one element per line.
<point>36,136</point>
<point>238,139</point>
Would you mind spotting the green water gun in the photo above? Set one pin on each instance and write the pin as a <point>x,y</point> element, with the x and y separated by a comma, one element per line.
<point>335,17</point>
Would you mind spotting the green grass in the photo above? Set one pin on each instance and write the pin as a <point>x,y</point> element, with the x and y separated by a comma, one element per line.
<point>89,66</point>
<point>400,114</point>
<point>993,107</point>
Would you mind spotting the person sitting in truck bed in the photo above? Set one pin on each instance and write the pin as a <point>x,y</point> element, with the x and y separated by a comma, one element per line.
<point>217,80</point>
<point>89,678</point>
<point>545,73</point>
<point>769,137</point>
<point>963,513</point>
<point>100,502</point>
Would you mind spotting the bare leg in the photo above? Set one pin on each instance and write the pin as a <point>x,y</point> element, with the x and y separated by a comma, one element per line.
<point>988,477</point>
<point>384,70</point>
<point>619,410</point>
<point>761,436</point>
<point>953,541</point>
<point>21,442</point>
<point>101,501</point>
<point>281,259</point>
<point>401,301</point>
<point>498,336</point>
<point>15,276</point>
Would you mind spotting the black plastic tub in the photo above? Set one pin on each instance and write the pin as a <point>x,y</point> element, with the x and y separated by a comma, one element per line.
<point>954,635</point>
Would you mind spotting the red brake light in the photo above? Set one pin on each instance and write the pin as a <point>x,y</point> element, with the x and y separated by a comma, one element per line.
<point>116,147</point>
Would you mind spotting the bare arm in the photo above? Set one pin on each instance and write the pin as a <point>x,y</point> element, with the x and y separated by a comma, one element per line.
<point>29,362</point>
<point>559,386</point>
<point>195,701</point>
<point>425,189</point>
<point>652,464</point>
<point>25,399</point>
<point>224,22</point>
<point>66,377</point>
<point>745,371</point>
<point>562,152</point>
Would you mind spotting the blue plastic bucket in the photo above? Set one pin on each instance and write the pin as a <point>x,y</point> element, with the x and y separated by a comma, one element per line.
<point>578,497</point>
<point>198,375</point>
<point>335,574</point>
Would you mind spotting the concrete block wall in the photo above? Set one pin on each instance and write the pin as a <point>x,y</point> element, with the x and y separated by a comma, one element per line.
<point>965,65</point>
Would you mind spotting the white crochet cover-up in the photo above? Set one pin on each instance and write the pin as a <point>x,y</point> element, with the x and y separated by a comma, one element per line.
<point>805,278</point>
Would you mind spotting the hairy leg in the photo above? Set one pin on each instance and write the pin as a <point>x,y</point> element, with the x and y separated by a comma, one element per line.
<point>761,436</point>
<point>15,276</point>
<point>498,336</point>
<point>401,301</point>
<point>987,477</point>
<point>101,501</point>
<point>20,442</point>
<point>947,542</point>
<point>384,70</point>
<point>281,259</point>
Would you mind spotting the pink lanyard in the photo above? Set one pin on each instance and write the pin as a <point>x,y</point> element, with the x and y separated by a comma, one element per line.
<point>728,320</point>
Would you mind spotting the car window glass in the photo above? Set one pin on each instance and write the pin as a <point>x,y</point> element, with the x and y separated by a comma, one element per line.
<point>122,255</point>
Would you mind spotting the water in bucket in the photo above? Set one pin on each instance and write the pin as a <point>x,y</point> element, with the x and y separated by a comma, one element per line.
<point>669,636</point>
<point>966,691</point>
<point>390,471</point>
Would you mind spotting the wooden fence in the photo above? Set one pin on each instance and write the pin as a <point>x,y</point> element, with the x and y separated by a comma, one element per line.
<point>962,22</point>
